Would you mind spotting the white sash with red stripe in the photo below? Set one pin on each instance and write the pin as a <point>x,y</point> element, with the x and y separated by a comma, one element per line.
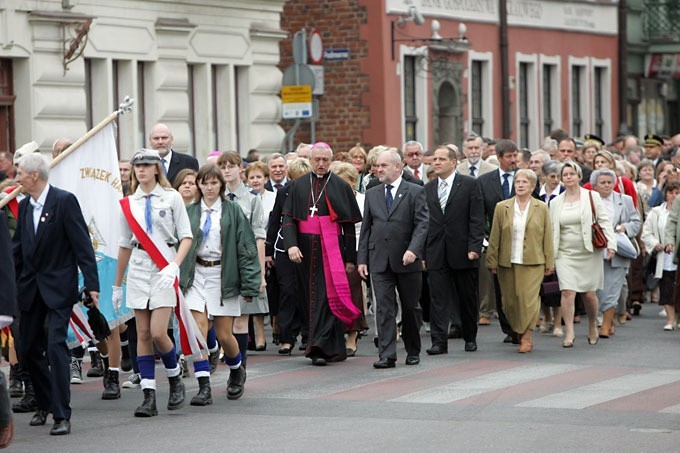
<point>193,344</point>
<point>83,331</point>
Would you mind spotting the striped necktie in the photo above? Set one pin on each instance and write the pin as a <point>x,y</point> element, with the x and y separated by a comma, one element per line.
<point>443,194</point>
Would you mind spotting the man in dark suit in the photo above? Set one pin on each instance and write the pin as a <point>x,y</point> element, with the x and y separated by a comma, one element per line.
<point>406,176</point>
<point>161,140</point>
<point>278,172</point>
<point>454,245</point>
<point>7,313</point>
<point>498,186</point>
<point>50,244</point>
<point>391,247</point>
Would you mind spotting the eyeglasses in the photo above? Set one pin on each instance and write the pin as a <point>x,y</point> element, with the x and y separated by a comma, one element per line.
<point>414,154</point>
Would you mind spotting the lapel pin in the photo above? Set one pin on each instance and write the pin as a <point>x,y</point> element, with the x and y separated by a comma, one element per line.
<point>42,219</point>
<point>400,195</point>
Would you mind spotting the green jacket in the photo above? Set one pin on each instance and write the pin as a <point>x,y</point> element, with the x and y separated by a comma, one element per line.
<point>241,273</point>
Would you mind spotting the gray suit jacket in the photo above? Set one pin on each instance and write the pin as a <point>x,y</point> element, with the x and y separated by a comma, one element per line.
<point>625,214</point>
<point>482,167</point>
<point>385,237</point>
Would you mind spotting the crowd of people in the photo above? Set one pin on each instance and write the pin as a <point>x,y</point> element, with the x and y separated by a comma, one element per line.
<point>313,241</point>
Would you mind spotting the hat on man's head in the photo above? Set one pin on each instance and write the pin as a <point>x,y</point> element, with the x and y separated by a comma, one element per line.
<point>145,156</point>
<point>28,148</point>
<point>653,140</point>
<point>593,138</point>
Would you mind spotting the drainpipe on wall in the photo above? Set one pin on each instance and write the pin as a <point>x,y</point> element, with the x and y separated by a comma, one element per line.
<point>505,73</point>
<point>623,68</point>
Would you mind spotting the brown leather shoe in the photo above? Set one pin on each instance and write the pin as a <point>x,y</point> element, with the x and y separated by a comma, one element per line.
<point>484,321</point>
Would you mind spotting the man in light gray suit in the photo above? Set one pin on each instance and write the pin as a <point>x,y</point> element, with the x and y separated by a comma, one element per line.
<point>391,244</point>
<point>474,165</point>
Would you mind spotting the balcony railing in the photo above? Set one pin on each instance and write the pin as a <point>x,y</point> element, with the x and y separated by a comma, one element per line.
<point>662,21</point>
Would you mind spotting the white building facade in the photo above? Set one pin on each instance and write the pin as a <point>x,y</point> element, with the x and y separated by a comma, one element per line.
<point>206,68</point>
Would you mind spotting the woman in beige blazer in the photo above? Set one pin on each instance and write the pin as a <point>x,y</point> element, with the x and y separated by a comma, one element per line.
<point>578,264</point>
<point>521,253</point>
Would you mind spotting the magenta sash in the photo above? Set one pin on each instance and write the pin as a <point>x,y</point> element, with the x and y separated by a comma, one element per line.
<point>337,286</point>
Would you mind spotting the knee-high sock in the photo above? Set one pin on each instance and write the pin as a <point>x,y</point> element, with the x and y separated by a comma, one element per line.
<point>212,339</point>
<point>147,370</point>
<point>202,369</point>
<point>234,362</point>
<point>242,339</point>
<point>170,361</point>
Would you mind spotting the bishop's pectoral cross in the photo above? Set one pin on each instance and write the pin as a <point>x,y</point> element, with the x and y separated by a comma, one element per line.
<point>313,210</point>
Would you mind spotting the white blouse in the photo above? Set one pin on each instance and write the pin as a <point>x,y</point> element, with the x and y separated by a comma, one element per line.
<point>519,223</point>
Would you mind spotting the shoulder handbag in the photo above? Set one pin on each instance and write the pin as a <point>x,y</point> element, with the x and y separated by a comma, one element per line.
<point>599,239</point>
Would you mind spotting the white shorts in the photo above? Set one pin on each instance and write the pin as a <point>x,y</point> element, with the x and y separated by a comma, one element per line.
<point>206,294</point>
<point>142,277</point>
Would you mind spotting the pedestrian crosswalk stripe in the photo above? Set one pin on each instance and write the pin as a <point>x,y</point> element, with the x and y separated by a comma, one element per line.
<point>601,392</point>
<point>478,385</point>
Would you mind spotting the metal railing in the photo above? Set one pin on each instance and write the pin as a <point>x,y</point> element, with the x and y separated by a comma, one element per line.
<point>661,21</point>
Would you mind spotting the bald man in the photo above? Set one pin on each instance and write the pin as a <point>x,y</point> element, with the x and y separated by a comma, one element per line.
<point>161,140</point>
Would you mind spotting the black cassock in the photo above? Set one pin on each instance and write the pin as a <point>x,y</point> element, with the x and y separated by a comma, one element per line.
<point>331,196</point>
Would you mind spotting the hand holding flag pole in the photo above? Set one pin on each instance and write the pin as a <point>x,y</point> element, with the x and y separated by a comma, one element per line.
<point>123,107</point>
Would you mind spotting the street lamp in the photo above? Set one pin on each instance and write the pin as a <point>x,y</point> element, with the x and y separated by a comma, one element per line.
<point>454,45</point>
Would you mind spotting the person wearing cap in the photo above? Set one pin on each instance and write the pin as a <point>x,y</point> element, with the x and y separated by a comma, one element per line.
<point>172,162</point>
<point>160,213</point>
<point>50,244</point>
<point>653,145</point>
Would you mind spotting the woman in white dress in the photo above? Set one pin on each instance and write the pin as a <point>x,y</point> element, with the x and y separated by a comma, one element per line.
<point>578,264</point>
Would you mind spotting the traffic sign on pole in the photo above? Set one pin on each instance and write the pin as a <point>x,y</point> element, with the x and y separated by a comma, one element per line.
<point>296,101</point>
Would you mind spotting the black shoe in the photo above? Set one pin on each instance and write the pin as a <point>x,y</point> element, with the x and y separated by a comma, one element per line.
<point>412,360</point>
<point>319,361</point>
<point>302,347</point>
<point>384,364</point>
<point>16,387</point>
<point>511,339</point>
<point>261,347</point>
<point>276,338</point>
<point>454,333</point>
<point>437,350</point>
<point>214,359</point>
<point>148,407</point>
<point>286,350</point>
<point>637,306</point>
<point>235,383</point>
<point>111,386</point>
<point>61,428</point>
<point>375,341</point>
<point>204,395</point>
<point>350,352</point>
<point>27,403</point>
<point>40,418</point>
<point>96,365</point>
<point>177,393</point>
<point>470,346</point>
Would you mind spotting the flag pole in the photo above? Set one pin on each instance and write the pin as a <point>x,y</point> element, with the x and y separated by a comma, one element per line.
<point>125,106</point>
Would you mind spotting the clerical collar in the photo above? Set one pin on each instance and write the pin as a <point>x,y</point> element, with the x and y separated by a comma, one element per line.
<point>321,176</point>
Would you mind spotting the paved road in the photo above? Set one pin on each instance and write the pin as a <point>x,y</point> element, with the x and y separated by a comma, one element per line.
<point>622,395</point>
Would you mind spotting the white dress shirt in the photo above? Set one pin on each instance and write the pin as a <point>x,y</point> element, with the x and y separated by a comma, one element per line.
<point>211,248</point>
<point>395,188</point>
<point>38,206</point>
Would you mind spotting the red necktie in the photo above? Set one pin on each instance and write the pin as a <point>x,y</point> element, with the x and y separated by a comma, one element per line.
<point>415,173</point>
